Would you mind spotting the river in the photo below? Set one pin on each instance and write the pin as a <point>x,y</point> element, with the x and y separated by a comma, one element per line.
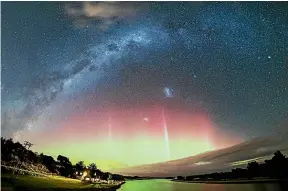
<point>167,185</point>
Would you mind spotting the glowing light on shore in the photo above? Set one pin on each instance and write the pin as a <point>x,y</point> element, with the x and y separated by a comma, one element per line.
<point>84,175</point>
<point>202,163</point>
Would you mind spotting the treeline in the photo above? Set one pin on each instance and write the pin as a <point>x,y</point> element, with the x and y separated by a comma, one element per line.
<point>139,178</point>
<point>277,167</point>
<point>15,153</point>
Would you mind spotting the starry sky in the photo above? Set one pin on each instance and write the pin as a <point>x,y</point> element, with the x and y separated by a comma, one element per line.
<point>129,83</point>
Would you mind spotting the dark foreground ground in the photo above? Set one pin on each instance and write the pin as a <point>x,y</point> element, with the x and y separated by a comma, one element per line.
<point>51,183</point>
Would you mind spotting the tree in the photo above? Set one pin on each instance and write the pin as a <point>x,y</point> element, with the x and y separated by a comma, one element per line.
<point>99,173</point>
<point>49,162</point>
<point>65,166</point>
<point>239,173</point>
<point>278,157</point>
<point>92,167</point>
<point>118,177</point>
<point>80,166</point>
<point>278,166</point>
<point>105,176</point>
<point>63,160</point>
<point>7,150</point>
<point>253,169</point>
<point>31,156</point>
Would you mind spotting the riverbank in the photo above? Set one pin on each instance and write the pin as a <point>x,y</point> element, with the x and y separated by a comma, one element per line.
<point>254,181</point>
<point>52,183</point>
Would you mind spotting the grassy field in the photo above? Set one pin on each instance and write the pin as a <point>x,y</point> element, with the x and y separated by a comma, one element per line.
<point>50,183</point>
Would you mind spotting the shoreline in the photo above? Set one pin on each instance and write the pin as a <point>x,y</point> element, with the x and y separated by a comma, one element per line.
<point>10,188</point>
<point>119,185</point>
<point>235,181</point>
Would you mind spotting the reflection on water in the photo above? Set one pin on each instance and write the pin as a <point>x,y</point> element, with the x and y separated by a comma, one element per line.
<point>167,185</point>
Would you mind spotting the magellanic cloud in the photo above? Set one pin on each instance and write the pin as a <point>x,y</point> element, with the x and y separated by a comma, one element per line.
<point>102,14</point>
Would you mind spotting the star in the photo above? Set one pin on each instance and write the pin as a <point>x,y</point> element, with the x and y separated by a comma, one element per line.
<point>69,72</point>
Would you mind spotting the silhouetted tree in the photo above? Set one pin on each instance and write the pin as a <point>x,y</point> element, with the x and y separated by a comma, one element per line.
<point>65,166</point>
<point>92,167</point>
<point>99,173</point>
<point>7,150</point>
<point>239,173</point>
<point>11,152</point>
<point>253,169</point>
<point>49,162</point>
<point>180,177</point>
<point>80,166</point>
<point>105,176</point>
<point>277,167</point>
<point>117,177</point>
<point>31,156</point>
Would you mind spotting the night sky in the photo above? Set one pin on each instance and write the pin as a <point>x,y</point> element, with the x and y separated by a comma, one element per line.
<point>128,83</point>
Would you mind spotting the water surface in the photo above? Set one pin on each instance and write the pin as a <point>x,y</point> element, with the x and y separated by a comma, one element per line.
<point>167,185</point>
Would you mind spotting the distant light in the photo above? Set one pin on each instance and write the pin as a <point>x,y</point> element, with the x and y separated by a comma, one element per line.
<point>202,163</point>
<point>146,119</point>
<point>84,175</point>
<point>269,57</point>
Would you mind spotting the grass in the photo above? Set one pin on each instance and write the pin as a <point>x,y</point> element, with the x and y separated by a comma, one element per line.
<point>24,182</point>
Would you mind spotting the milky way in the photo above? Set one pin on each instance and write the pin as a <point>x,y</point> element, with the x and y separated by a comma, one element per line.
<point>226,62</point>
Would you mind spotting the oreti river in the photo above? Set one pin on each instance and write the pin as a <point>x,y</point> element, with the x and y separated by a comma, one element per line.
<point>167,185</point>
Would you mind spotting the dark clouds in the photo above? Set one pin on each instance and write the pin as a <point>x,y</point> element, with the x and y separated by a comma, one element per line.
<point>257,149</point>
